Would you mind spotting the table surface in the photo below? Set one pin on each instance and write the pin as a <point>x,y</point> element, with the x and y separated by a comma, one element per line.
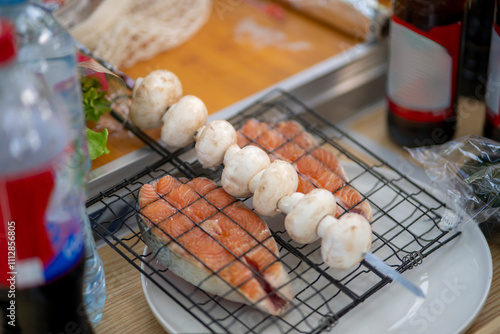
<point>222,69</point>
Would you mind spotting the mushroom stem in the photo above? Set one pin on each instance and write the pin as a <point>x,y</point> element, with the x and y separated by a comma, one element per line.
<point>230,152</point>
<point>287,203</point>
<point>254,181</point>
<point>324,224</point>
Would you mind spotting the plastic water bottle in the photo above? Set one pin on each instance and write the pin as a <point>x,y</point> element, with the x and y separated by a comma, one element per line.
<point>47,49</point>
<point>42,243</point>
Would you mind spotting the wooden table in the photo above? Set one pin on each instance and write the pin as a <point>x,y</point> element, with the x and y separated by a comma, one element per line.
<point>220,70</point>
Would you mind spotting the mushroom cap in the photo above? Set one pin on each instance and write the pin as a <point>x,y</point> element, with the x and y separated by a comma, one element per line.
<point>302,221</point>
<point>212,142</point>
<point>278,180</point>
<point>182,121</point>
<point>345,241</point>
<point>242,166</point>
<point>152,96</point>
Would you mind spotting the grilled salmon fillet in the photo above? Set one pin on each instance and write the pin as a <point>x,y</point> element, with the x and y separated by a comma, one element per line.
<point>214,241</point>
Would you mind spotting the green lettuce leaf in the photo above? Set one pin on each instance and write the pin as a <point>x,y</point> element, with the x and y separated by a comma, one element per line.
<point>95,102</point>
<point>97,143</point>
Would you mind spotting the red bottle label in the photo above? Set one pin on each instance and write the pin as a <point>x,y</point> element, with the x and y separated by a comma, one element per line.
<point>423,71</point>
<point>493,85</point>
<point>39,239</point>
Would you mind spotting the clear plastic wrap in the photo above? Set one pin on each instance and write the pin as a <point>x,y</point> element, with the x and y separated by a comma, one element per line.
<point>365,20</point>
<point>466,175</point>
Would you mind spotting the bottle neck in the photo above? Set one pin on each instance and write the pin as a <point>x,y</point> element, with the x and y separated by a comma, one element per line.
<point>427,14</point>
<point>497,15</point>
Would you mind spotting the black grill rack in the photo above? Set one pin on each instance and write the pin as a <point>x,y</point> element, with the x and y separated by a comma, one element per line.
<point>405,231</point>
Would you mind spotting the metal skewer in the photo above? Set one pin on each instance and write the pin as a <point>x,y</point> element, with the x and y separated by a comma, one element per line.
<point>395,276</point>
<point>129,82</point>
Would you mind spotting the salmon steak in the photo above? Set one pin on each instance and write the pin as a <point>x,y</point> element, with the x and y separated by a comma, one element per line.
<point>316,166</point>
<point>212,240</point>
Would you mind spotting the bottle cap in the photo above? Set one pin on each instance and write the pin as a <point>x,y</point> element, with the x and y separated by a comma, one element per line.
<point>7,43</point>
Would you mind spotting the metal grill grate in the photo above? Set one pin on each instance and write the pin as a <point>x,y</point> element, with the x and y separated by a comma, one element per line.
<point>405,231</point>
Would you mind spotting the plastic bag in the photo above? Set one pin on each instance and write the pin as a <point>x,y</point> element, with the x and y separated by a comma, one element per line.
<point>466,175</point>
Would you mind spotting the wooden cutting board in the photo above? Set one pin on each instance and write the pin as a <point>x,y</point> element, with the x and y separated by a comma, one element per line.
<point>240,51</point>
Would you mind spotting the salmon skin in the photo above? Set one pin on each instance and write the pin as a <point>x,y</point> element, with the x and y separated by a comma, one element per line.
<point>317,167</point>
<point>213,241</point>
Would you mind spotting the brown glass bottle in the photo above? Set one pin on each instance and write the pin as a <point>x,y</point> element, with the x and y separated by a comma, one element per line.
<point>476,51</point>
<point>492,122</point>
<point>424,59</point>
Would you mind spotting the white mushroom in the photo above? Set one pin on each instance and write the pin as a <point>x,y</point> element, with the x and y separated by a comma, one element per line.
<point>230,152</point>
<point>302,221</point>
<point>345,241</point>
<point>212,142</point>
<point>152,96</point>
<point>278,180</point>
<point>242,166</point>
<point>182,121</point>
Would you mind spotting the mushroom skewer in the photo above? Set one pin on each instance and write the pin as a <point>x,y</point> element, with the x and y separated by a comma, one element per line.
<point>156,99</point>
<point>249,171</point>
<point>345,241</point>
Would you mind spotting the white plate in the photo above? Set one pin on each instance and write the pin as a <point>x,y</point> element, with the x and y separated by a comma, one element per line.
<point>456,280</point>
